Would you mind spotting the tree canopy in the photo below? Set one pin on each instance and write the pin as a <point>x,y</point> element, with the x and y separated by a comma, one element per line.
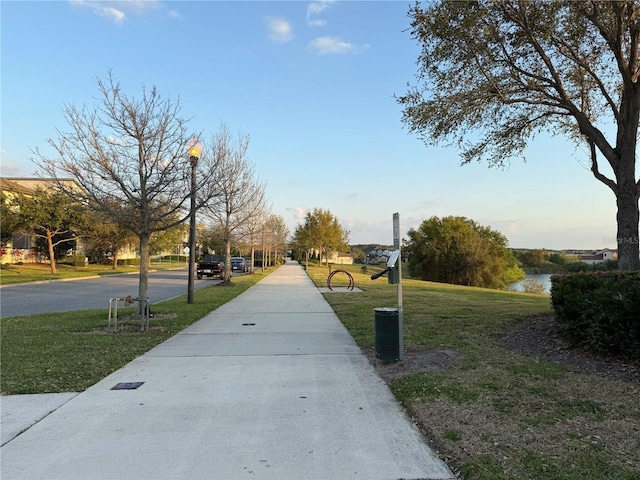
<point>492,75</point>
<point>50,216</point>
<point>321,232</point>
<point>460,251</point>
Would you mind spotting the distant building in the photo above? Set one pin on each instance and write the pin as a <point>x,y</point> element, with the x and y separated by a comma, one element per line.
<point>340,258</point>
<point>21,247</point>
<point>600,256</point>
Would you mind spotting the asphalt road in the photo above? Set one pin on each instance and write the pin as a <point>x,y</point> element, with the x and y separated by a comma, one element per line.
<point>90,293</point>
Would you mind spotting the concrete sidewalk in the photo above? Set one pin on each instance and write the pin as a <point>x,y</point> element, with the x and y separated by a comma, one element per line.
<point>268,386</point>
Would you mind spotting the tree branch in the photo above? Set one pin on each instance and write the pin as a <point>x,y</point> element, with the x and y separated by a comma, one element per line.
<point>595,170</point>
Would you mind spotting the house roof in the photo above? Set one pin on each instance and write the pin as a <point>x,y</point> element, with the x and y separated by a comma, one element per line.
<point>592,257</point>
<point>31,184</point>
<point>11,185</point>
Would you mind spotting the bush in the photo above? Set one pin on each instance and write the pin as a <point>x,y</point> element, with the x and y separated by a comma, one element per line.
<point>173,258</point>
<point>607,265</point>
<point>599,311</point>
<point>129,261</point>
<point>75,260</point>
<point>530,285</point>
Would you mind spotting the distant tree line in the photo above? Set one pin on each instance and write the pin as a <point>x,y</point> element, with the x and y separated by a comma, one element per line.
<point>544,261</point>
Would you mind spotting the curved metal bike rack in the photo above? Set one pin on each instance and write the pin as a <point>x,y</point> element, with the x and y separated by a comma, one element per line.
<point>351,281</point>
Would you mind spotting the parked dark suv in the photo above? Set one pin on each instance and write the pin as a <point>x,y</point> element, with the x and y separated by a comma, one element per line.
<point>238,264</point>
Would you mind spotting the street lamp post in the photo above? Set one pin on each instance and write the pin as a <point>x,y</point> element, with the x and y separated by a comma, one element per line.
<point>195,149</point>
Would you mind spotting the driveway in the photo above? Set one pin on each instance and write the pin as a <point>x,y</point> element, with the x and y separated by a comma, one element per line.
<point>89,293</point>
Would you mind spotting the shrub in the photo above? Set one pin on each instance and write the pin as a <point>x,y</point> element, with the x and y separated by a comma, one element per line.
<point>174,258</point>
<point>75,260</point>
<point>607,265</point>
<point>599,311</point>
<point>129,261</point>
<point>531,285</point>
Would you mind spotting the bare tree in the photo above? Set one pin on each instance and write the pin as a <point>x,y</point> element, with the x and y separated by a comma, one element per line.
<point>130,158</point>
<point>252,231</point>
<point>274,235</point>
<point>240,195</point>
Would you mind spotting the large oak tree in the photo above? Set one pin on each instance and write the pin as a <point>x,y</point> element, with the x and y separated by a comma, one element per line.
<point>493,74</point>
<point>460,251</point>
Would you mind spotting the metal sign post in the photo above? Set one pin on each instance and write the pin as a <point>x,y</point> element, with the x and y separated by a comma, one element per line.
<point>396,246</point>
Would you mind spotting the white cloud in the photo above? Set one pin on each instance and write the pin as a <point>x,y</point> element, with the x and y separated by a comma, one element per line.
<point>328,45</point>
<point>114,140</point>
<point>279,30</point>
<point>117,16</point>
<point>298,212</point>
<point>117,11</point>
<point>316,8</point>
<point>11,168</point>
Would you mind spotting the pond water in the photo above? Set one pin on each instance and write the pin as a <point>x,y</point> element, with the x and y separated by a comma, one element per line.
<point>543,278</point>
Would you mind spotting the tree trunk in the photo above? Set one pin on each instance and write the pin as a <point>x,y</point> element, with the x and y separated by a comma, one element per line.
<point>227,262</point>
<point>628,219</point>
<point>114,266</point>
<point>628,191</point>
<point>143,288</point>
<point>52,257</point>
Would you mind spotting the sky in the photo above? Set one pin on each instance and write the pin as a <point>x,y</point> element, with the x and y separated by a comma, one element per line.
<point>314,85</point>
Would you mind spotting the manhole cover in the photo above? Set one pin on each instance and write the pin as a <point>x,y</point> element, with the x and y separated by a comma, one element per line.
<point>127,386</point>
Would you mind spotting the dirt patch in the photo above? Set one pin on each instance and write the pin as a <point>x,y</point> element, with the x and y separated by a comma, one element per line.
<point>536,336</point>
<point>415,361</point>
<point>131,323</point>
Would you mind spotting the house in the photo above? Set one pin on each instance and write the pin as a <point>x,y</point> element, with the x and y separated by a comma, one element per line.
<point>600,256</point>
<point>20,248</point>
<point>340,258</point>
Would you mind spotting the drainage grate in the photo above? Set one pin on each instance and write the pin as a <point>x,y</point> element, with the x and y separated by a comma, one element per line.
<point>248,324</point>
<point>127,386</point>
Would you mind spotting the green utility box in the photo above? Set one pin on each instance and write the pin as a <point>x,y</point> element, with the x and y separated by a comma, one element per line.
<point>393,277</point>
<point>387,334</point>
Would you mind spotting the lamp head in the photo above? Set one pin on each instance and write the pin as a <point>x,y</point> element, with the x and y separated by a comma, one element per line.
<point>194,148</point>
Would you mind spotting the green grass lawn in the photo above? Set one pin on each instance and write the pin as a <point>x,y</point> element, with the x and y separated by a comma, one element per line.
<point>498,415</point>
<point>68,352</point>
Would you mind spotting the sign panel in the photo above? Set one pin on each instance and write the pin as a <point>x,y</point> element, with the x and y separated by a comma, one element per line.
<point>396,231</point>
